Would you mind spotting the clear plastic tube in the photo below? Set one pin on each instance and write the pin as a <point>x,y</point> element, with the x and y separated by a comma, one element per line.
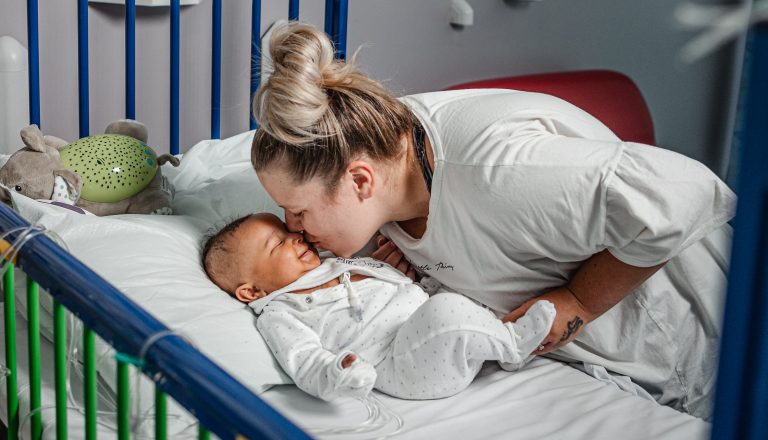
<point>379,416</point>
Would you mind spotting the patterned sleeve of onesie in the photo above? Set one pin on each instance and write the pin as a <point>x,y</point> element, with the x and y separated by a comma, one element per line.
<point>314,369</point>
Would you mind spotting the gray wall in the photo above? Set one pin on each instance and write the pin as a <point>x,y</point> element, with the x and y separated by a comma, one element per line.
<point>408,44</point>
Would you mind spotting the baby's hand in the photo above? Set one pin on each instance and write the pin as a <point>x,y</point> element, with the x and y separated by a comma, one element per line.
<point>357,377</point>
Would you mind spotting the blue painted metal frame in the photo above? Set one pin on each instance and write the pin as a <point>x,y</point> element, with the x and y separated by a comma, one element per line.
<point>130,59</point>
<point>222,404</point>
<point>34,62</point>
<point>175,48</point>
<point>741,402</point>
<point>336,12</point>
<point>255,57</point>
<point>216,71</point>
<point>330,7</point>
<point>82,66</point>
<point>293,9</point>
<point>340,30</point>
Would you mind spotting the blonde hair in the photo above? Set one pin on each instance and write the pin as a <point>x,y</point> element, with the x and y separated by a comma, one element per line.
<point>317,113</point>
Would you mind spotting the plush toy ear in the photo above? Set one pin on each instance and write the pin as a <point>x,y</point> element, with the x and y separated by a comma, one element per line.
<point>168,158</point>
<point>54,142</point>
<point>33,138</point>
<point>67,186</point>
<point>128,127</point>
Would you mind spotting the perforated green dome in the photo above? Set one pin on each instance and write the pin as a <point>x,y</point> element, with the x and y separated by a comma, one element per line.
<point>113,166</point>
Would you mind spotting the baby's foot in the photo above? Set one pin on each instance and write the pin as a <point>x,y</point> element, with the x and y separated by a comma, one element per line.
<point>529,331</point>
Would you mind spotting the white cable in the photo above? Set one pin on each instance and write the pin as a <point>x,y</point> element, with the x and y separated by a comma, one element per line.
<point>379,416</point>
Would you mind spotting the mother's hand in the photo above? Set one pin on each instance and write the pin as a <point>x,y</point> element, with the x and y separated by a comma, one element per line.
<point>390,254</point>
<point>570,318</point>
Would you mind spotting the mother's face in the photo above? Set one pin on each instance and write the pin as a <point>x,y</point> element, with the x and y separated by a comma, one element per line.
<point>342,223</point>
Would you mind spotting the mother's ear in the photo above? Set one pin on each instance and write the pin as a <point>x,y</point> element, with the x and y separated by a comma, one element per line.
<point>364,178</point>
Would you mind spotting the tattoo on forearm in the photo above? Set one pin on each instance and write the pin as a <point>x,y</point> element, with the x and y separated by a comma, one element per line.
<point>573,327</point>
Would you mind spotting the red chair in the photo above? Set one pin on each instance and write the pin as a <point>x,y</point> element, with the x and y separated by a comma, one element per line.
<point>609,96</point>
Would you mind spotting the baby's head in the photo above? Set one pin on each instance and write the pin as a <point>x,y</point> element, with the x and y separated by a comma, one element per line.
<point>256,255</point>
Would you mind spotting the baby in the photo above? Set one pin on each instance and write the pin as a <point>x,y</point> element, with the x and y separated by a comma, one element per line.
<point>340,327</point>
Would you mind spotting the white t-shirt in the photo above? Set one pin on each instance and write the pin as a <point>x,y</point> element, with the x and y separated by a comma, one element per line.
<point>526,186</point>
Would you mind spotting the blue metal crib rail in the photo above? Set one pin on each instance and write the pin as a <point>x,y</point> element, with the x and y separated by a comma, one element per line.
<point>741,402</point>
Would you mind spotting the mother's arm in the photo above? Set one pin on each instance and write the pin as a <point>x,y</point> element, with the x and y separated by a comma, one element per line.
<point>601,282</point>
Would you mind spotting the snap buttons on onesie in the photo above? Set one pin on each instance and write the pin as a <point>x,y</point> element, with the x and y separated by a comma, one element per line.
<point>308,300</point>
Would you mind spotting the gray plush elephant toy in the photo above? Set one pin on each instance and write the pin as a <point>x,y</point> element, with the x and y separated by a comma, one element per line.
<point>113,173</point>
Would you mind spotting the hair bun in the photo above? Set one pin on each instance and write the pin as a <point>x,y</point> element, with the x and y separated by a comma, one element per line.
<point>295,96</point>
<point>316,112</point>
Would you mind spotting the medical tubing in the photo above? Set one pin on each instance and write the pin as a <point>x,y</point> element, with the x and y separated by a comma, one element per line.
<point>138,420</point>
<point>391,414</point>
<point>137,417</point>
<point>379,416</point>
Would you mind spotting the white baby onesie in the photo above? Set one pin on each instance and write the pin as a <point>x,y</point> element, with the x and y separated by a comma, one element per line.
<point>408,345</point>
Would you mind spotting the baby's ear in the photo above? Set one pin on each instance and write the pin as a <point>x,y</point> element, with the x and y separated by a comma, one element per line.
<point>247,293</point>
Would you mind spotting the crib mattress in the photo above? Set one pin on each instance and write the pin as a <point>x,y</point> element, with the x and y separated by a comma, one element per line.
<point>546,400</point>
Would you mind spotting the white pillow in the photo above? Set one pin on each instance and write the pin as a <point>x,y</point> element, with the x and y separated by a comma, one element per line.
<point>215,182</point>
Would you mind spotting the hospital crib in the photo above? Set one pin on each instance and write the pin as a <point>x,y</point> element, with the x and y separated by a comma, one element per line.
<point>222,405</point>
<point>225,407</point>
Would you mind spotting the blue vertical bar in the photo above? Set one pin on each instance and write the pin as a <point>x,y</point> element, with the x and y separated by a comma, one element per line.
<point>216,74</point>
<point>341,29</point>
<point>175,44</point>
<point>293,10</point>
<point>255,55</point>
<point>34,63</point>
<point>741,400</point>
<point>130,59</point>
<point>82,64</point>
<point>329,8</point>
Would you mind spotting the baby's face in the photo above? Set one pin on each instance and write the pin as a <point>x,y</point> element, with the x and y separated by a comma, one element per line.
<point>269,257</point>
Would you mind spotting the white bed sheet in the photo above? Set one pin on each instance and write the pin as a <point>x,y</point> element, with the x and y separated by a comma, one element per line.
<point>546,400</point>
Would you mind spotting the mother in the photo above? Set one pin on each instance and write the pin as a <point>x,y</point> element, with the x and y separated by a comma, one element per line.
<point>507,196</point>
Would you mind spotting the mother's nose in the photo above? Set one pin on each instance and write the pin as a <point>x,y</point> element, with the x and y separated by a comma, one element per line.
<point>292,222</point>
